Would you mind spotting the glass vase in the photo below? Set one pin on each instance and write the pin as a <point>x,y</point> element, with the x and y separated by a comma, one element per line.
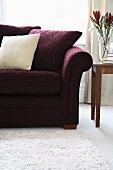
<point>105,51</point>
<point>105,43</point>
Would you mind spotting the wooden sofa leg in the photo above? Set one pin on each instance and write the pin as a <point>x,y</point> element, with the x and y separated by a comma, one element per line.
<point>71,126</point>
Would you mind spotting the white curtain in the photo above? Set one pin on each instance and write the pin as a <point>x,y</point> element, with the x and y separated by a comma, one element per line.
<point>92,47</point>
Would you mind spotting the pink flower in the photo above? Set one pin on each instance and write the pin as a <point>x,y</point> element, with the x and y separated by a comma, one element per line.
<point>102,21</point>
<point>109,19</point>
<point>97,16</point>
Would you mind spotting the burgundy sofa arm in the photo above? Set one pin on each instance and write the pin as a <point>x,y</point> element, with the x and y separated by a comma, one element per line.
<point>76,61</point>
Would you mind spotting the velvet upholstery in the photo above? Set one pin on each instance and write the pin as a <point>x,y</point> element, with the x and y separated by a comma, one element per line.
<point>42,98</point>
<point>20,82</point>
<point>10,30</point>
<point>52,47</point>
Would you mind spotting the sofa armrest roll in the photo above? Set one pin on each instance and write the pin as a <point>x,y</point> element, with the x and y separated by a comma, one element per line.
<point>76,61</point>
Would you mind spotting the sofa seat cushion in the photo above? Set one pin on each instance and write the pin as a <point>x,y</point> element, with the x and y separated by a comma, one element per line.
<point>25,102</point>
<point>23,82</point>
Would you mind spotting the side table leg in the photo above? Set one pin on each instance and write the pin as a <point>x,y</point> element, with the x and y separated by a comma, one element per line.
<point>93,96</point>
<point>98,96</point>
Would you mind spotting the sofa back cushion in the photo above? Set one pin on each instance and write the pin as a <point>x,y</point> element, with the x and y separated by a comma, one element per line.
<point>8,30</point>
<point>52,47</point>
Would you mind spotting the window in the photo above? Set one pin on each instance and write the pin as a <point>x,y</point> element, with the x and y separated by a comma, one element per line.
<point>49,14</point>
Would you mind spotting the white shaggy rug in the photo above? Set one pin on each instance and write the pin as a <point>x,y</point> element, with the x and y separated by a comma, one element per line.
<point>48,149</point>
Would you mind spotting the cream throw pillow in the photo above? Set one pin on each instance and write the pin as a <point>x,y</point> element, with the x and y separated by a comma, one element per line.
<point>17,52</point>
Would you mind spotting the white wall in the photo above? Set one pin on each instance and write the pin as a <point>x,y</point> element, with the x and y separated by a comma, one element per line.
<point>49,14</point>
<point>1,11</point>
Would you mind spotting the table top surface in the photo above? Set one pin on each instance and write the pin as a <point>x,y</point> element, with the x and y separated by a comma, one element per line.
<point>101,64</point>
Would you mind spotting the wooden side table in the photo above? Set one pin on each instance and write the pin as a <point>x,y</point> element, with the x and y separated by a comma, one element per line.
<point>98,68</point>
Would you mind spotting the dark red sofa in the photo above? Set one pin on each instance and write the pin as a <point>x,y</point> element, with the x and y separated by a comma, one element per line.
<point>48,94</point>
